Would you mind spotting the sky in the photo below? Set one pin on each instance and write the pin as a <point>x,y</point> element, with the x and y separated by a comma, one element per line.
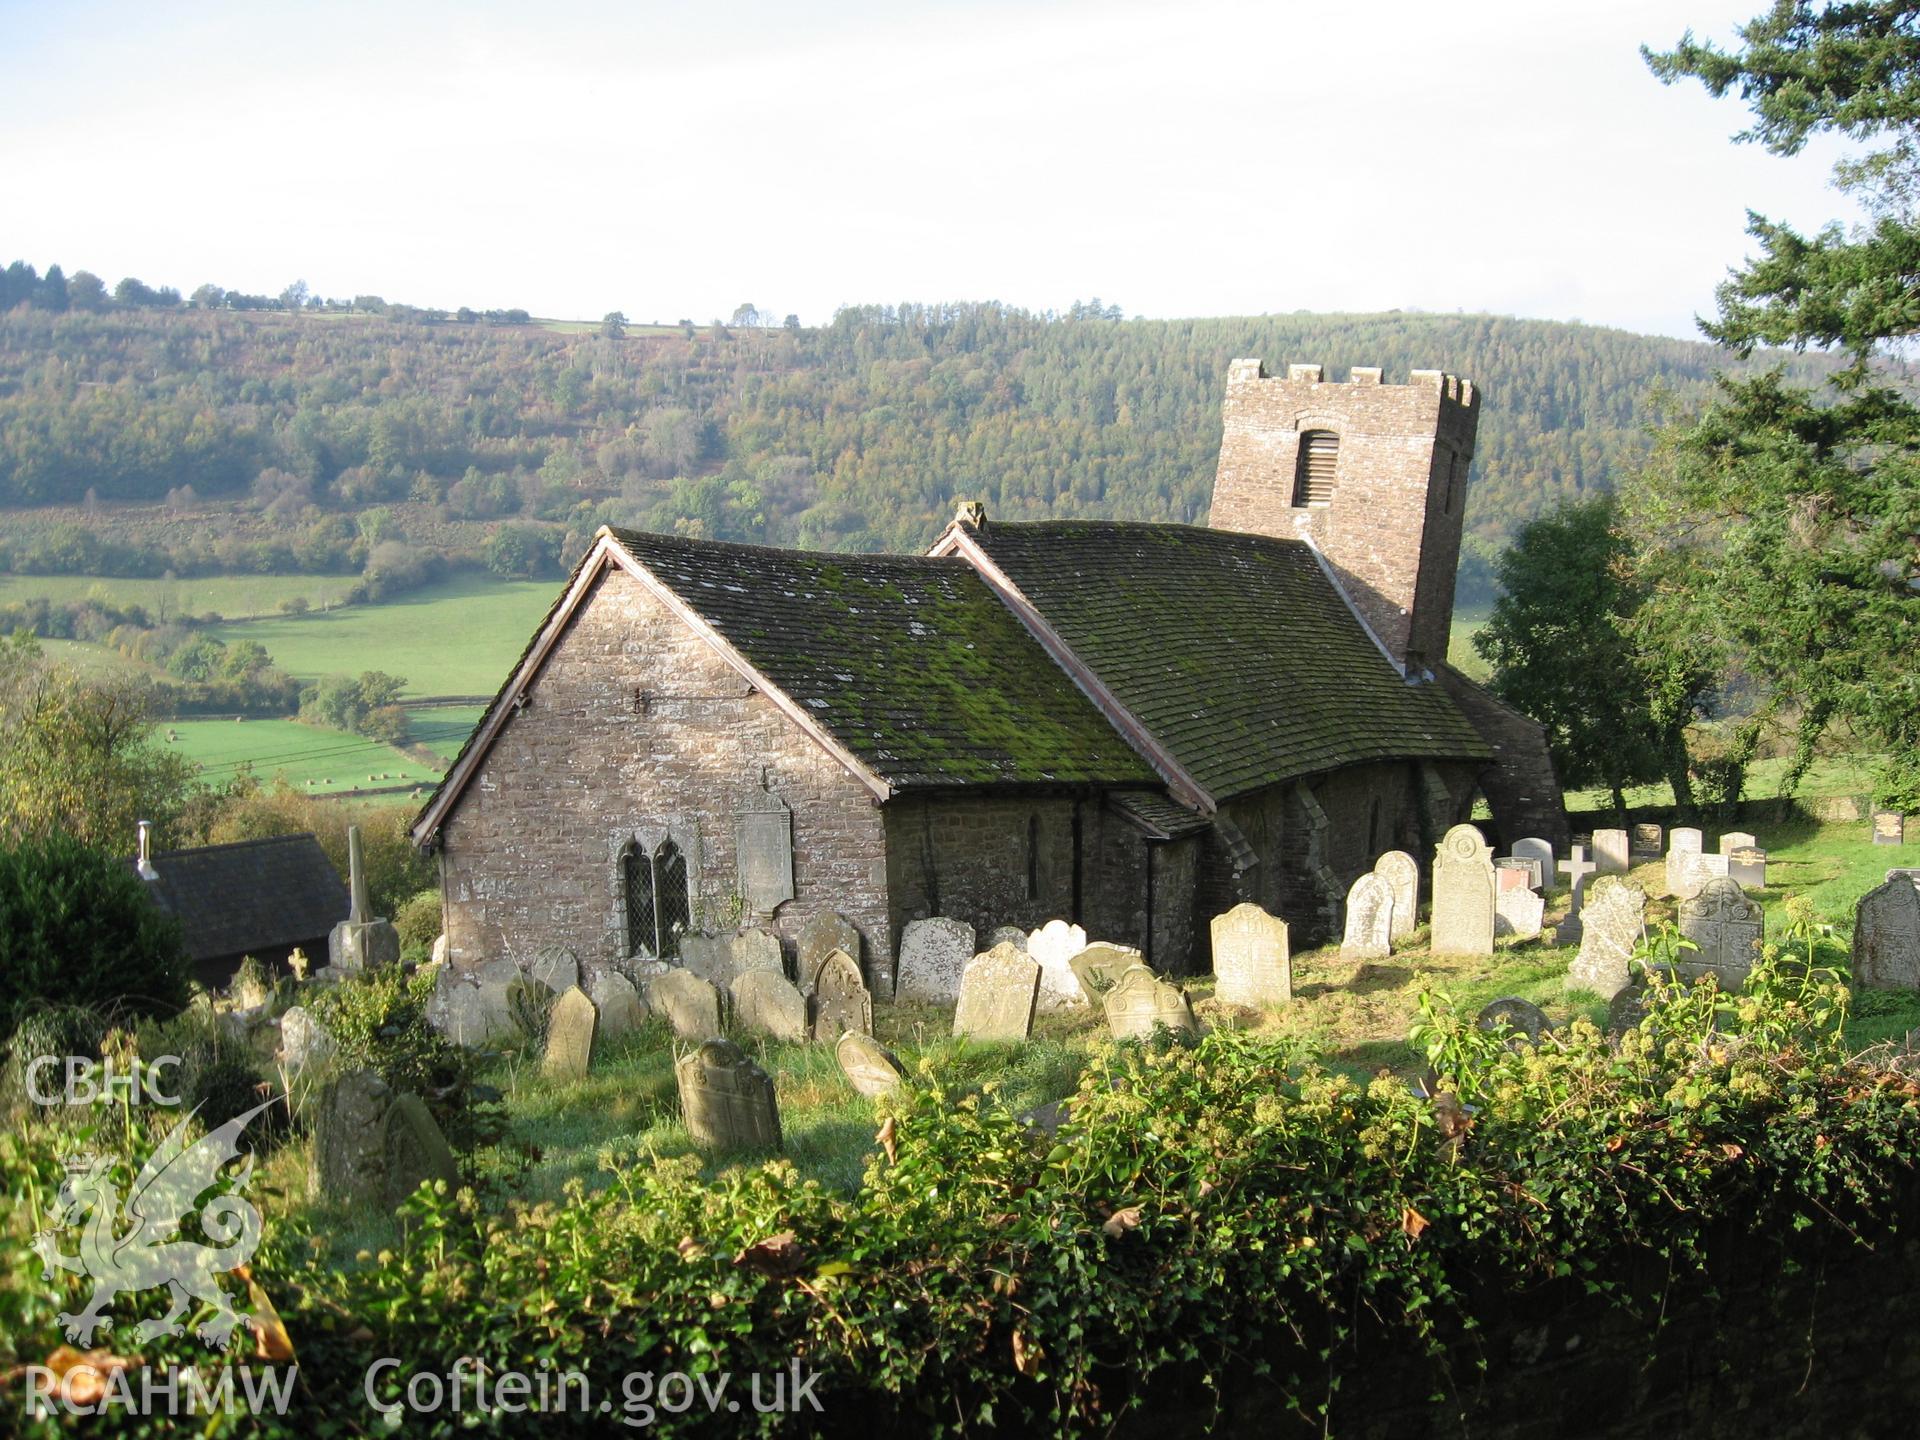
<point>1207,157</point>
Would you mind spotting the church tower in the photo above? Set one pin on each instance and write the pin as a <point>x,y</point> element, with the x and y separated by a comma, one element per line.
<point>1374,476</point>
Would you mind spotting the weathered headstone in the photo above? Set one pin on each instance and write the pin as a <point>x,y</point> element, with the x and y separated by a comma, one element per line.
<point>618,1004</point>
<point>1369,928</point>
<point>1099,967</point>
<point>413,1151</point>
<point>763,843</point>
<point>456,1008</point>
<point>1697,871</point>
<point>1628,1009</point>
<point>1889,827</point>
<point>1648,842</point>
<point>1518,911</point>
<point>1512,874</point>
<point>1612,852</point>
<point>1251,961</point>
<point>1052,947</point>
<point>840,1002</point>
<point>1905,872</point>
<point>1402,872</point>
<point>1886,937</point>
<point>1613,925</point>
<point>1522,1017</point>
<point>998,993</point>
<point>495,981</point>
<point>1141,1002</point>
<point>1747,867</point>
<point>1008,935</point>
<point>360,942</point>
<point>1726,926</point>
<point>304,1042</point>
<point>570,1029</point>
<point>819,938</point>
<point>708,956</point>
<point>1736,840</point>
<point>346,1161</point>
<point>726,1099</point>
<point>691,1005</point>
<point>556,969</point>
<point>758,949</point>
<point>1463,892</point>
<point>1534,848</point>
<point>1683,843</point>
<point>933,952</point>
<point>766,1001</point>
<point>869,1066</point>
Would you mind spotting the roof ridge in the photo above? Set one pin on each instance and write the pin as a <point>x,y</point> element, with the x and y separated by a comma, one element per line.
<point>237,844</point>
<point>626,534</point>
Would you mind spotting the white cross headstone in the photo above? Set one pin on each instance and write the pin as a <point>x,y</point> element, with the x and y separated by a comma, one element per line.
<point>1577,869</point>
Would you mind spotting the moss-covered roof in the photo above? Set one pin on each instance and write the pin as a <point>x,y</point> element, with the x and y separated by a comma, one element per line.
<point>1235,651</point>
<point>913,664</point>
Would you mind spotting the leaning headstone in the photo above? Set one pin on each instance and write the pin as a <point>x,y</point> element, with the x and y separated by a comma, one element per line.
<point>691,1005</point>
<point>1519,912</point>
<point>869,1066</point>
<point>758,949</point>
<point>1726,926</point>
<point>496,980</point>
<point>1534,848</point>
<point>1747,867</point>
<point>1369,929</point>
<point>346,1162</point>
<point>819,938</point>
<point>1886,937</point>
<point>1052,947</point>
<point>304,1042</point>
<point>1251,961</point>
<point>360,942</point>
<point>708,956</point>
<point>1736,840</point>
<point>1512,874</point>
<point>1522,1017</point>
<point>556,969</point>
<point>1142,1002</point>
<point>767,1002</point>
<point>933,952</point>
<point>618,1004</point>
<point>1008,935</point>
<point>1682,845</point>
<point>726,1099</point>
<point>1099,967</point>
<point>840,1002</point>
<point>1889,827</point>
<point>1463,893</point>
<point>998,992</point>
<point>1402,872</point>
<point>1612,851</point>
<point>570,1029</point>
<point>1647,842</point>
<point>413,1151</point>
<point>1613,923</point>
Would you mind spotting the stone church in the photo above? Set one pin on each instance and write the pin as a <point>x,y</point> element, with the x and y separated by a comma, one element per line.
<point>1131,726</point>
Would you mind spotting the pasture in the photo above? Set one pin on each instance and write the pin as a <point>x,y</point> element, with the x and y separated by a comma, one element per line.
<point>315,760</point>
<point>232,596</point>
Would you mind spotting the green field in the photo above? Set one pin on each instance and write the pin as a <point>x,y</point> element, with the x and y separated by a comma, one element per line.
<point>96,662</point>
<point>316,760</point>
<point>459,637</point>
<point>1460,652</point>
<point>443,729</point>
<point>233,596</point>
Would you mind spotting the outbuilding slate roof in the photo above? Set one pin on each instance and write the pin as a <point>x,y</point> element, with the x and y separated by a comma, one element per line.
<point>1236,651</point>
<point>912,664</point>
<point>250,896</point>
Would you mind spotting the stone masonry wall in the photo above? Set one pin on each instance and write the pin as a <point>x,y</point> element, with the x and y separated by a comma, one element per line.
<point>530,857</point>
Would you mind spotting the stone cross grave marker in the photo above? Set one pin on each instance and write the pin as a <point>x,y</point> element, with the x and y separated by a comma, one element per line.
<point>570,1036</point>
<point>1053,947</point>
<point>1141,1001</point>
<point>1534,848</point>
<point>1736,840</point>
<point>620,1007</point>
<point>840,1002</point>
<point>1647,842</point>
<point>1612,852</point>
<point>1369,928</point>
<point>933,952</point>
<point>1518,911</point>
<point>819,938</point>
<point>360,942</point>
<point>691,1005</point>
<point>1099,967</point>
<point>1726,925</point>
<point>1747,866</point>
<point>1402,872</point>
<point>869,1066</point>
<point>1889,827</point>
<point>1683,843</point>
<point>726,1099</point>
<point>767,1002</point>
<point>1613,922</point>
<point>1251,960</point>
<point>1577,868</point>
<point>1463,893</point>
<point>1886,937</point>
<point>998,992</point>
<point>413,1151</point>
<point>1521,1017</point>
<point>346,1162</point>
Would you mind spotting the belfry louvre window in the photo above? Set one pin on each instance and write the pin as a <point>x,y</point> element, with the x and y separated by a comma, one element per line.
<point>659,909</point>
<point>1313,472</point>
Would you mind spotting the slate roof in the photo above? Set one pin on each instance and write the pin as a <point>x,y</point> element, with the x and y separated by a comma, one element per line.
<point>250,896</point>
<point>912,664</point>
<point>1235,651</point>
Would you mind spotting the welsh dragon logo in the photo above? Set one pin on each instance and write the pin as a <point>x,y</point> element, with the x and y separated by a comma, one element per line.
<point>142,1249</point>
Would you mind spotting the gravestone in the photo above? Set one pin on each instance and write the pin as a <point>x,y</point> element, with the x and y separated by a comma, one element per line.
<point>1682,845</point>
<point>556,969</point>
<point>1647,842</point>
<point>1697,871</point>
<point>1521,1017</point>
<point>442,950</point>
<point>726,1099</point>
<point>1747,867</point>
<point>1528,867</point>
<point>869,1066</point>
<point>1612,852</point>
<point>1889,827</point>
<point>456,1009</point>
<point>1369,929</point>
<point>1251,962</point>
<point>840,1002</point>
<point>1402,872</point>
<point>708,956</point>
<point>1613,925</point>
<point>570,1036</point>
<point>346,1162</point>
<point>998,993</point>
<point>1052,947</point>
<point>1736,840</point>
<point>691,1005</point>
<point>1099,967</point>
<point>495,981</point>
<point>758,949</point>
<point>1886,937</point>
<point>1908,872</point>
<point>1576,868</point>
<point>1008,935</point>
<point>1141,1001</point>
<point>819,938</point>
<point>1534,848</point>
<point>763,843</point>
<point>360,942</point>
<point>932,954</point>
<point>618,1005</point>
<point>304,1042</point>
<point>413,1151</point>
<point>1518,911</point>
<point>766,1001</point>
<point>1463,893</point>
<point>1726,925</point>
<point>1628,1010</point>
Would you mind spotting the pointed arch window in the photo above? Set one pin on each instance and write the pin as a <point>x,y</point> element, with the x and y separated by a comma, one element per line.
<point>659,906</point>
<point>1313,471</point>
